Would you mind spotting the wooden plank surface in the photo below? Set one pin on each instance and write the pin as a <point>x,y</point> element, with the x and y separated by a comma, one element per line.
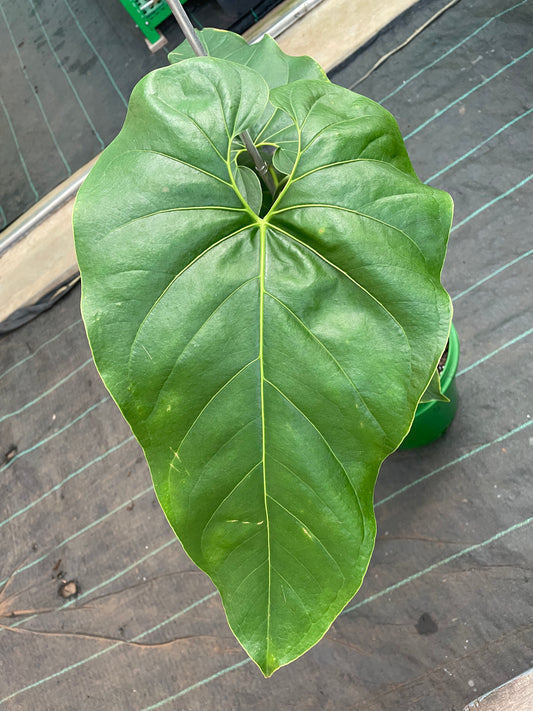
<point>333,30</point>
<point>514,695</point>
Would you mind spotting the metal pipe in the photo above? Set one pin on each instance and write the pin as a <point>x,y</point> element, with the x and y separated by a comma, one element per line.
<point>187,28</point>
<point>288,19</point>
<point>27,223</point>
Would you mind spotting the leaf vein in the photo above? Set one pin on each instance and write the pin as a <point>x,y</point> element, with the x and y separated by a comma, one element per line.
<point>251,572</point>
<point>341,465</point>
<point>308,528</point>
<point>242,543</point>
<point>334,359</point>
<point>304,607</point>
<point>344,273</point>
<point>222,502</point>
<point>308,486</point>
<point>179,160</point>
<point>177,276</point>
<point>352,160</point>
<point>336,124</point>
<point>174,209</point>
<point>353,212</point>
<point>262,272</point>
<point>222,387</point>
<point>270,137</point>
<point>298,563</point>
<point>188,117</point>
<point>201,327</point>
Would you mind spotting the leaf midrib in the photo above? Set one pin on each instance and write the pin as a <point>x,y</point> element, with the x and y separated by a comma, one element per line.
<point>262,292</point>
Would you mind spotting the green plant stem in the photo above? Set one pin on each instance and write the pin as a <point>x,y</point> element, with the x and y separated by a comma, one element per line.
<point>190,34</point>
<point>260,164</point>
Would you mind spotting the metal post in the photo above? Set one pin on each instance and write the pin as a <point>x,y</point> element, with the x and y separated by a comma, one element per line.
<point>198,48</point>
<point>298,10</point>
<point>186,27</point>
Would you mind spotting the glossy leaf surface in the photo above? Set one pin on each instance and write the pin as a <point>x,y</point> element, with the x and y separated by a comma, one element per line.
<point>273,127</point>
<point>267,365</point>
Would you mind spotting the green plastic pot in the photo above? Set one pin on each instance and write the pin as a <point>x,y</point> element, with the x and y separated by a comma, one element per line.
<point>432,419</point>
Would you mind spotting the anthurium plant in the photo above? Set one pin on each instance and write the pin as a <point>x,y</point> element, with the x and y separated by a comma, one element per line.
<point>268,350</point>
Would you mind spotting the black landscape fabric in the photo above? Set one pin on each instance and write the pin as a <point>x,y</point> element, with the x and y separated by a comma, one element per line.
<point>67,69</point>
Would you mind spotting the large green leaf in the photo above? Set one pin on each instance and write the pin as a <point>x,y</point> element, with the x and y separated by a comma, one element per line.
<point>433,390</point>
<point>267,365</point>
<point>273,127</point>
